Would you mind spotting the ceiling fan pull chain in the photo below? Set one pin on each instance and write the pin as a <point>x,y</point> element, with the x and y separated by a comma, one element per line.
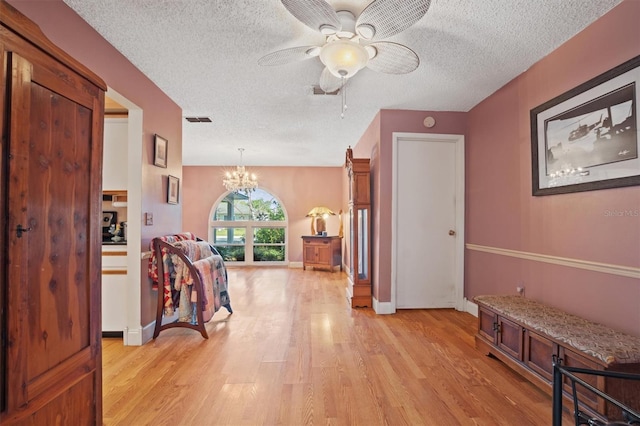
<point>343,91</point>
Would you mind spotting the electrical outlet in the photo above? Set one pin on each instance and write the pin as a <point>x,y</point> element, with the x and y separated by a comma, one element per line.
<point>520,290</point>
<point>148,219</point>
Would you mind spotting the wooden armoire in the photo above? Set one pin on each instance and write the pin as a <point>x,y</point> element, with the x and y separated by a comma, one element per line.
<point>359,230</point>
<point>51,118</point>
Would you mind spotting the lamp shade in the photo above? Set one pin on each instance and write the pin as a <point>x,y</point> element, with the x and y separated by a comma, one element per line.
<point>344,57</point>
<point>320,211</point>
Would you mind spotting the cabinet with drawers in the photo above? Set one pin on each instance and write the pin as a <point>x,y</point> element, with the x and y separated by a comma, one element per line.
<point>512,329</point>
<point>321,252</point>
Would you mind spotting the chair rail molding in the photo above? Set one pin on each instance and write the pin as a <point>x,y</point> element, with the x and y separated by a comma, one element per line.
<point>607,268</point>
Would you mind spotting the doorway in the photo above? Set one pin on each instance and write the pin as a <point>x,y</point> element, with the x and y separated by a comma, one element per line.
<point>129,303</point>
<point>428,221</point>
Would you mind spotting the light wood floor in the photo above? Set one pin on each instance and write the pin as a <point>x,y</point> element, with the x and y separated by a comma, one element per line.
<point>295,353</point>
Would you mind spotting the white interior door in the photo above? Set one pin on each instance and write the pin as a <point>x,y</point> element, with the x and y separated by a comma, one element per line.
<point>425,222</point>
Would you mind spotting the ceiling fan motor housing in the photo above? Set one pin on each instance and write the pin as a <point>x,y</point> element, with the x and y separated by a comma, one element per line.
<point>348,21</point>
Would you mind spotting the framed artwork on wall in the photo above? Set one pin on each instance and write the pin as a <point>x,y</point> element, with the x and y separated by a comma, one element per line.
<point>173,190</point>
<point>587,138</point>
<point>160,151</point>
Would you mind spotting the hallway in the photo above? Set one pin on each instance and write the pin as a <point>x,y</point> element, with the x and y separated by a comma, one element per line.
<point>295,353</point>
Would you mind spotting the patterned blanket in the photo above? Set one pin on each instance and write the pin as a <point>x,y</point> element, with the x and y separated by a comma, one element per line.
<point>168,272</point>
<point>211,272</point>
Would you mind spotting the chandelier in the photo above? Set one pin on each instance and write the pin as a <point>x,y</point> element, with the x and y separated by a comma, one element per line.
<point>240,179</point>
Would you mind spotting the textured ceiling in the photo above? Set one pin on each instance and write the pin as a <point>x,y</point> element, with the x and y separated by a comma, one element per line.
<point>203,54</point>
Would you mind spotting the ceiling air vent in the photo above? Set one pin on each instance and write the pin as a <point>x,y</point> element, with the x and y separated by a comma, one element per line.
<point>198,119</point>
<point>316,90</point>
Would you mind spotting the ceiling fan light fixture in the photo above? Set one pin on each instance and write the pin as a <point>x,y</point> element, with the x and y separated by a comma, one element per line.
<point>366,31</point>
<point>344,58</point>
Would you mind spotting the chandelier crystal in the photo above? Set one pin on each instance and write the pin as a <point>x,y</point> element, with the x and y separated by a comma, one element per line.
<point>240,179</point>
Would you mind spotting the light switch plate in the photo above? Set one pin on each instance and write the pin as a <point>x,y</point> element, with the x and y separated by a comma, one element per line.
<point>148,219</point>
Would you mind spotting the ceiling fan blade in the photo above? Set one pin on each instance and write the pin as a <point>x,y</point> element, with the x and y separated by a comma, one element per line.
<point>287,56</point>
<point>316,14</point>
<point>329,82</point>
<point>393,58</point>
<point>384,18</point>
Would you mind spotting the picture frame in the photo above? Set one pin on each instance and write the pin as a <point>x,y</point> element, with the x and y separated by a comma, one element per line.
<point>587,138</point>
<point>173,190</point>
<point>161,146</point>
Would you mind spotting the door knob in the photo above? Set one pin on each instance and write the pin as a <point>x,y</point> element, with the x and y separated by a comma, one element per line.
<point>452,232</point>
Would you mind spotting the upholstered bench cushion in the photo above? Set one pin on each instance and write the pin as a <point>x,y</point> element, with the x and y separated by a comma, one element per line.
<point>597,340</point>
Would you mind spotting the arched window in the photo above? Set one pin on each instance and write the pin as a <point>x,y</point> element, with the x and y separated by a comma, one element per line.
<point>249,227</point>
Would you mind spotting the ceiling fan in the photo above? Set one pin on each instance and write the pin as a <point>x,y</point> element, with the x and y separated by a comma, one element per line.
<point>351,44</point>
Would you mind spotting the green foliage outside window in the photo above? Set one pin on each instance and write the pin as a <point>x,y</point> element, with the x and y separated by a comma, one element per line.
<point>231,253</point>
<point>268,253</point>
<point>268,241</point>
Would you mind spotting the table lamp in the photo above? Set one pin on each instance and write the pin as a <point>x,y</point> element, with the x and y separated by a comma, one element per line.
<point>318,216</point>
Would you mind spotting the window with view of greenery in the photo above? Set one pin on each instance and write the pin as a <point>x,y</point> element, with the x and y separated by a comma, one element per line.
<point>249,227</point>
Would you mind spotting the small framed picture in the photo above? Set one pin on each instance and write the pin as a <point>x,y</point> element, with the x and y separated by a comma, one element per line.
<point>173,190</point>
<point>160,152</point>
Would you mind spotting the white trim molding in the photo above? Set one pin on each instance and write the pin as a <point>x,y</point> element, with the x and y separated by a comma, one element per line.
<point>383,308</point>
<point>135,336</point>
<point>470,307</point>
<point>606,268</point>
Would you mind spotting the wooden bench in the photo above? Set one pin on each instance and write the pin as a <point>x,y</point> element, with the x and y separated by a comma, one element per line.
<point>527,335</point>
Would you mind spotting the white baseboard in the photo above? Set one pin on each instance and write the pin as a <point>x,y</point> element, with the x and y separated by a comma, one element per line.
<point>470,307</point>
<point>132,336</point>
<point>296,265</point>
<point>386,308</point>
<point>383,308</point>
<point>147,332</point>
<point>138,336</point>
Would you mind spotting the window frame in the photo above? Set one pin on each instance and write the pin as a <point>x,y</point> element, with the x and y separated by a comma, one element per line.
<point>250,226</point>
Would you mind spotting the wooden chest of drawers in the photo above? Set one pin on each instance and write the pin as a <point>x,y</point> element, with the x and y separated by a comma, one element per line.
<point>321,252</point>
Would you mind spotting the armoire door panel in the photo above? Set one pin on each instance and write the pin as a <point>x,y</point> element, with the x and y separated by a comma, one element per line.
<point>79,406</point>
<point>52,177</point>
<point>58,283</point>
<point>77,401</point>
<point>69,371</point>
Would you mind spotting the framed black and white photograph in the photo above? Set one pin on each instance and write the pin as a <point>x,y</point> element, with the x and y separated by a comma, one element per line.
<point>160,151</point>
<point>173,190</point>
<point>587,138</point>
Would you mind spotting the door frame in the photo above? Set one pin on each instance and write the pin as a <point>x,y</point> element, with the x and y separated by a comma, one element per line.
<point>135,333</point>
<point>458,140</point>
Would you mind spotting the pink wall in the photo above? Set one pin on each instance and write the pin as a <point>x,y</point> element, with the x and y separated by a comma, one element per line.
<point>502,213</point>
<point>299,189</point>
<point>160,115</point>
<point>377,144</point>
